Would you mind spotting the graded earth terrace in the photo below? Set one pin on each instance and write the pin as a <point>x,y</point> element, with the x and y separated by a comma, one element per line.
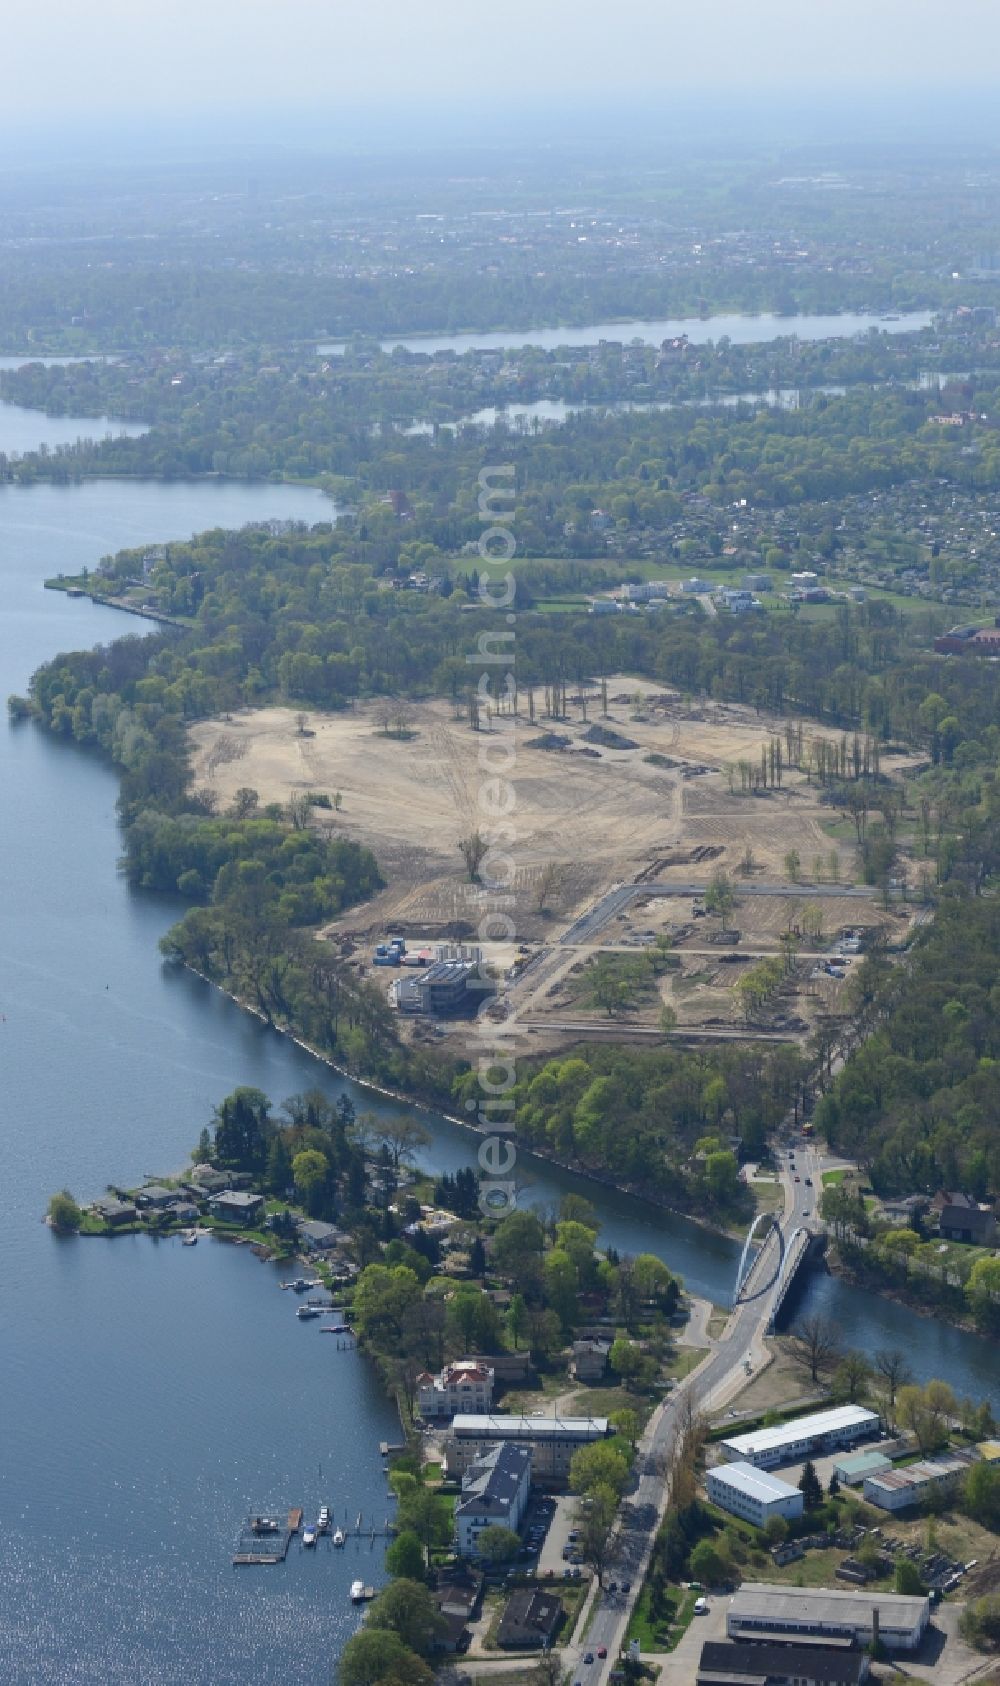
<point>625,821</point>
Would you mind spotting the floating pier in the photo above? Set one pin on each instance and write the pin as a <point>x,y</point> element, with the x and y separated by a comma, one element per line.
<point>265,1540</point>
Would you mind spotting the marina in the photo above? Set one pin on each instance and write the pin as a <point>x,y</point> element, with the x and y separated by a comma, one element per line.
<point>264,1539</point>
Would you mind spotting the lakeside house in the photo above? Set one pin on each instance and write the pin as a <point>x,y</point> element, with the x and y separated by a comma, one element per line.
<point>466,1385</point>
<point>495,1492</point>
<point>962,1219</point>
<point>318,1237</point>
<point>115,1212</point>
<point>236,1206</point>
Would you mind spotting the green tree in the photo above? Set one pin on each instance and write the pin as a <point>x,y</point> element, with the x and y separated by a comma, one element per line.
<point>722,1177</point>
<point>407,1609</point>
<point>906,1579</point>
<point>518,1246</point>
<point>625,1359</point>
<point>926,1412</point>
<point>377,1654</point>
<point>426,1514</point>
<point>405,1557</point>
<point>595,1517</point>
<point>64,1213</point>
<point>627,1424</point>
<point>498,1544</point>
<point>981,1495</point>
<point>599,1464</point>
<point>983,1292</point>
<point>707,1564</point>
<point>810,1486</point>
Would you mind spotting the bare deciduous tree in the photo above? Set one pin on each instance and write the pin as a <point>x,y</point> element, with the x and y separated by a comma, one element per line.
<point>814,1343</point>
<point>226,748</point>
<point>548,885</point>
<point>473,851</point>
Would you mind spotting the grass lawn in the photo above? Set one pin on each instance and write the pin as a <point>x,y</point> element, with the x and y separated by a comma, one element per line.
<point>685,1359</point>
<point>603,1401</point>
<point>833,1179</point>
<point>717,1322</point>
<point>662,1635</point>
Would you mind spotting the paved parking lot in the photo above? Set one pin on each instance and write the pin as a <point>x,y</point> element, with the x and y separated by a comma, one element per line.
<point>680,1666</point>
<point>552,1551</point>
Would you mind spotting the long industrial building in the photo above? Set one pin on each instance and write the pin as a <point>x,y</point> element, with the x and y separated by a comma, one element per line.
<point>551,1441</point>
<point>760,1611</point>
<point>751,1493</point>
<point>776,1665</point>
<point>803,1437</point>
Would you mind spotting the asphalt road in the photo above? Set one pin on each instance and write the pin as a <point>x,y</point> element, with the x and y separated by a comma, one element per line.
<point>717,1377</point>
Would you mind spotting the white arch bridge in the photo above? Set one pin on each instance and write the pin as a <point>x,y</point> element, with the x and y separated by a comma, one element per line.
<point>791,1253</point>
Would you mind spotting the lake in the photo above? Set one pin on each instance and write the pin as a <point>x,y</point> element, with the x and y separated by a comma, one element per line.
<point>742,330</point>
<point>155,1394</point>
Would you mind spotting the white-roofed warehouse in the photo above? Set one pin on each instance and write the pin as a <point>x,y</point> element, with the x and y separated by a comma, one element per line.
<point>752,1493</point>
<point>760,1611</point>
<point>803,1437</point>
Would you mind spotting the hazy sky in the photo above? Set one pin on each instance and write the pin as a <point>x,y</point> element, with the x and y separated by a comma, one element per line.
<point>61,57</point>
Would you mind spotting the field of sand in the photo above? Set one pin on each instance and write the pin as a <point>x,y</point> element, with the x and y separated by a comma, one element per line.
<point>593,816</point>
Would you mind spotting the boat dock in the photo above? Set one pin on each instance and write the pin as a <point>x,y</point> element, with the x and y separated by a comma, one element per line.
<point>265,1540</point>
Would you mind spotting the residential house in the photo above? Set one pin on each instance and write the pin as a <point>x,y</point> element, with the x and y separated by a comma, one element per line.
<point>236,1206</point>
<point>155,1198</point>
<point>115,1213</point>
<point>208,1179</point>
<point>317,1237</point>
<point>495,1492</point>
<point>457,1593</point>
<point>531,1620</point>
<point>963,1219</point>
<point>590,1360</point>
<point>464,1386</point>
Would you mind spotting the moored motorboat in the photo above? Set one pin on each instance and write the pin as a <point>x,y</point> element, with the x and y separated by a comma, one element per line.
<point>338,1536</point>
<point>357,1592</point>
<point>309,1535</point>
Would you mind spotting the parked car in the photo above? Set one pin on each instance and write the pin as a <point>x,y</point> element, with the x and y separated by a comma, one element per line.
<point>701,1606</point>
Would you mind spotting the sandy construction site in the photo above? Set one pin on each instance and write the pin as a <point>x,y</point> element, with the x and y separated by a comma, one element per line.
<point>588,816</point>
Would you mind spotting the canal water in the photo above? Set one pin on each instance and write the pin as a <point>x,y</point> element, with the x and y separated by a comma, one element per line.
<point>154,1394</point>
<point>742,330</point>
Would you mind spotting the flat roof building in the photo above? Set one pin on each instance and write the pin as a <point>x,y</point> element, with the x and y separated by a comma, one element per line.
<point>760,1611</point>
<point>803,1437</point>
<point>775,1665</point>
<point>853,1468</point>
<point>896,1489</point>
<point>752,1494</point>
<point>551,1441</point>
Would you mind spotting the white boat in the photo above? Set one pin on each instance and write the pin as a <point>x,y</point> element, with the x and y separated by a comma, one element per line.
<point>305,1311</point>
<point>323,1519</point>
<point>309,1536</point>
<point>190,1239</point>
<point>338,1536</point>
<point>357,1592</point>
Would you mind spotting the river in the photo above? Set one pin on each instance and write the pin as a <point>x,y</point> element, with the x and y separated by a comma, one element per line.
<point>154,1394</point>
<point>742,330</point>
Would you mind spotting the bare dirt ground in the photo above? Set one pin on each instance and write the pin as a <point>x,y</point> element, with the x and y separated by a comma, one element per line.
<point>588,817</point>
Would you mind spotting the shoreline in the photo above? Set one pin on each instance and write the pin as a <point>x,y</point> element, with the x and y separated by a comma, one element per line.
<point>422,1105</point>
<point>891,1291</point>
